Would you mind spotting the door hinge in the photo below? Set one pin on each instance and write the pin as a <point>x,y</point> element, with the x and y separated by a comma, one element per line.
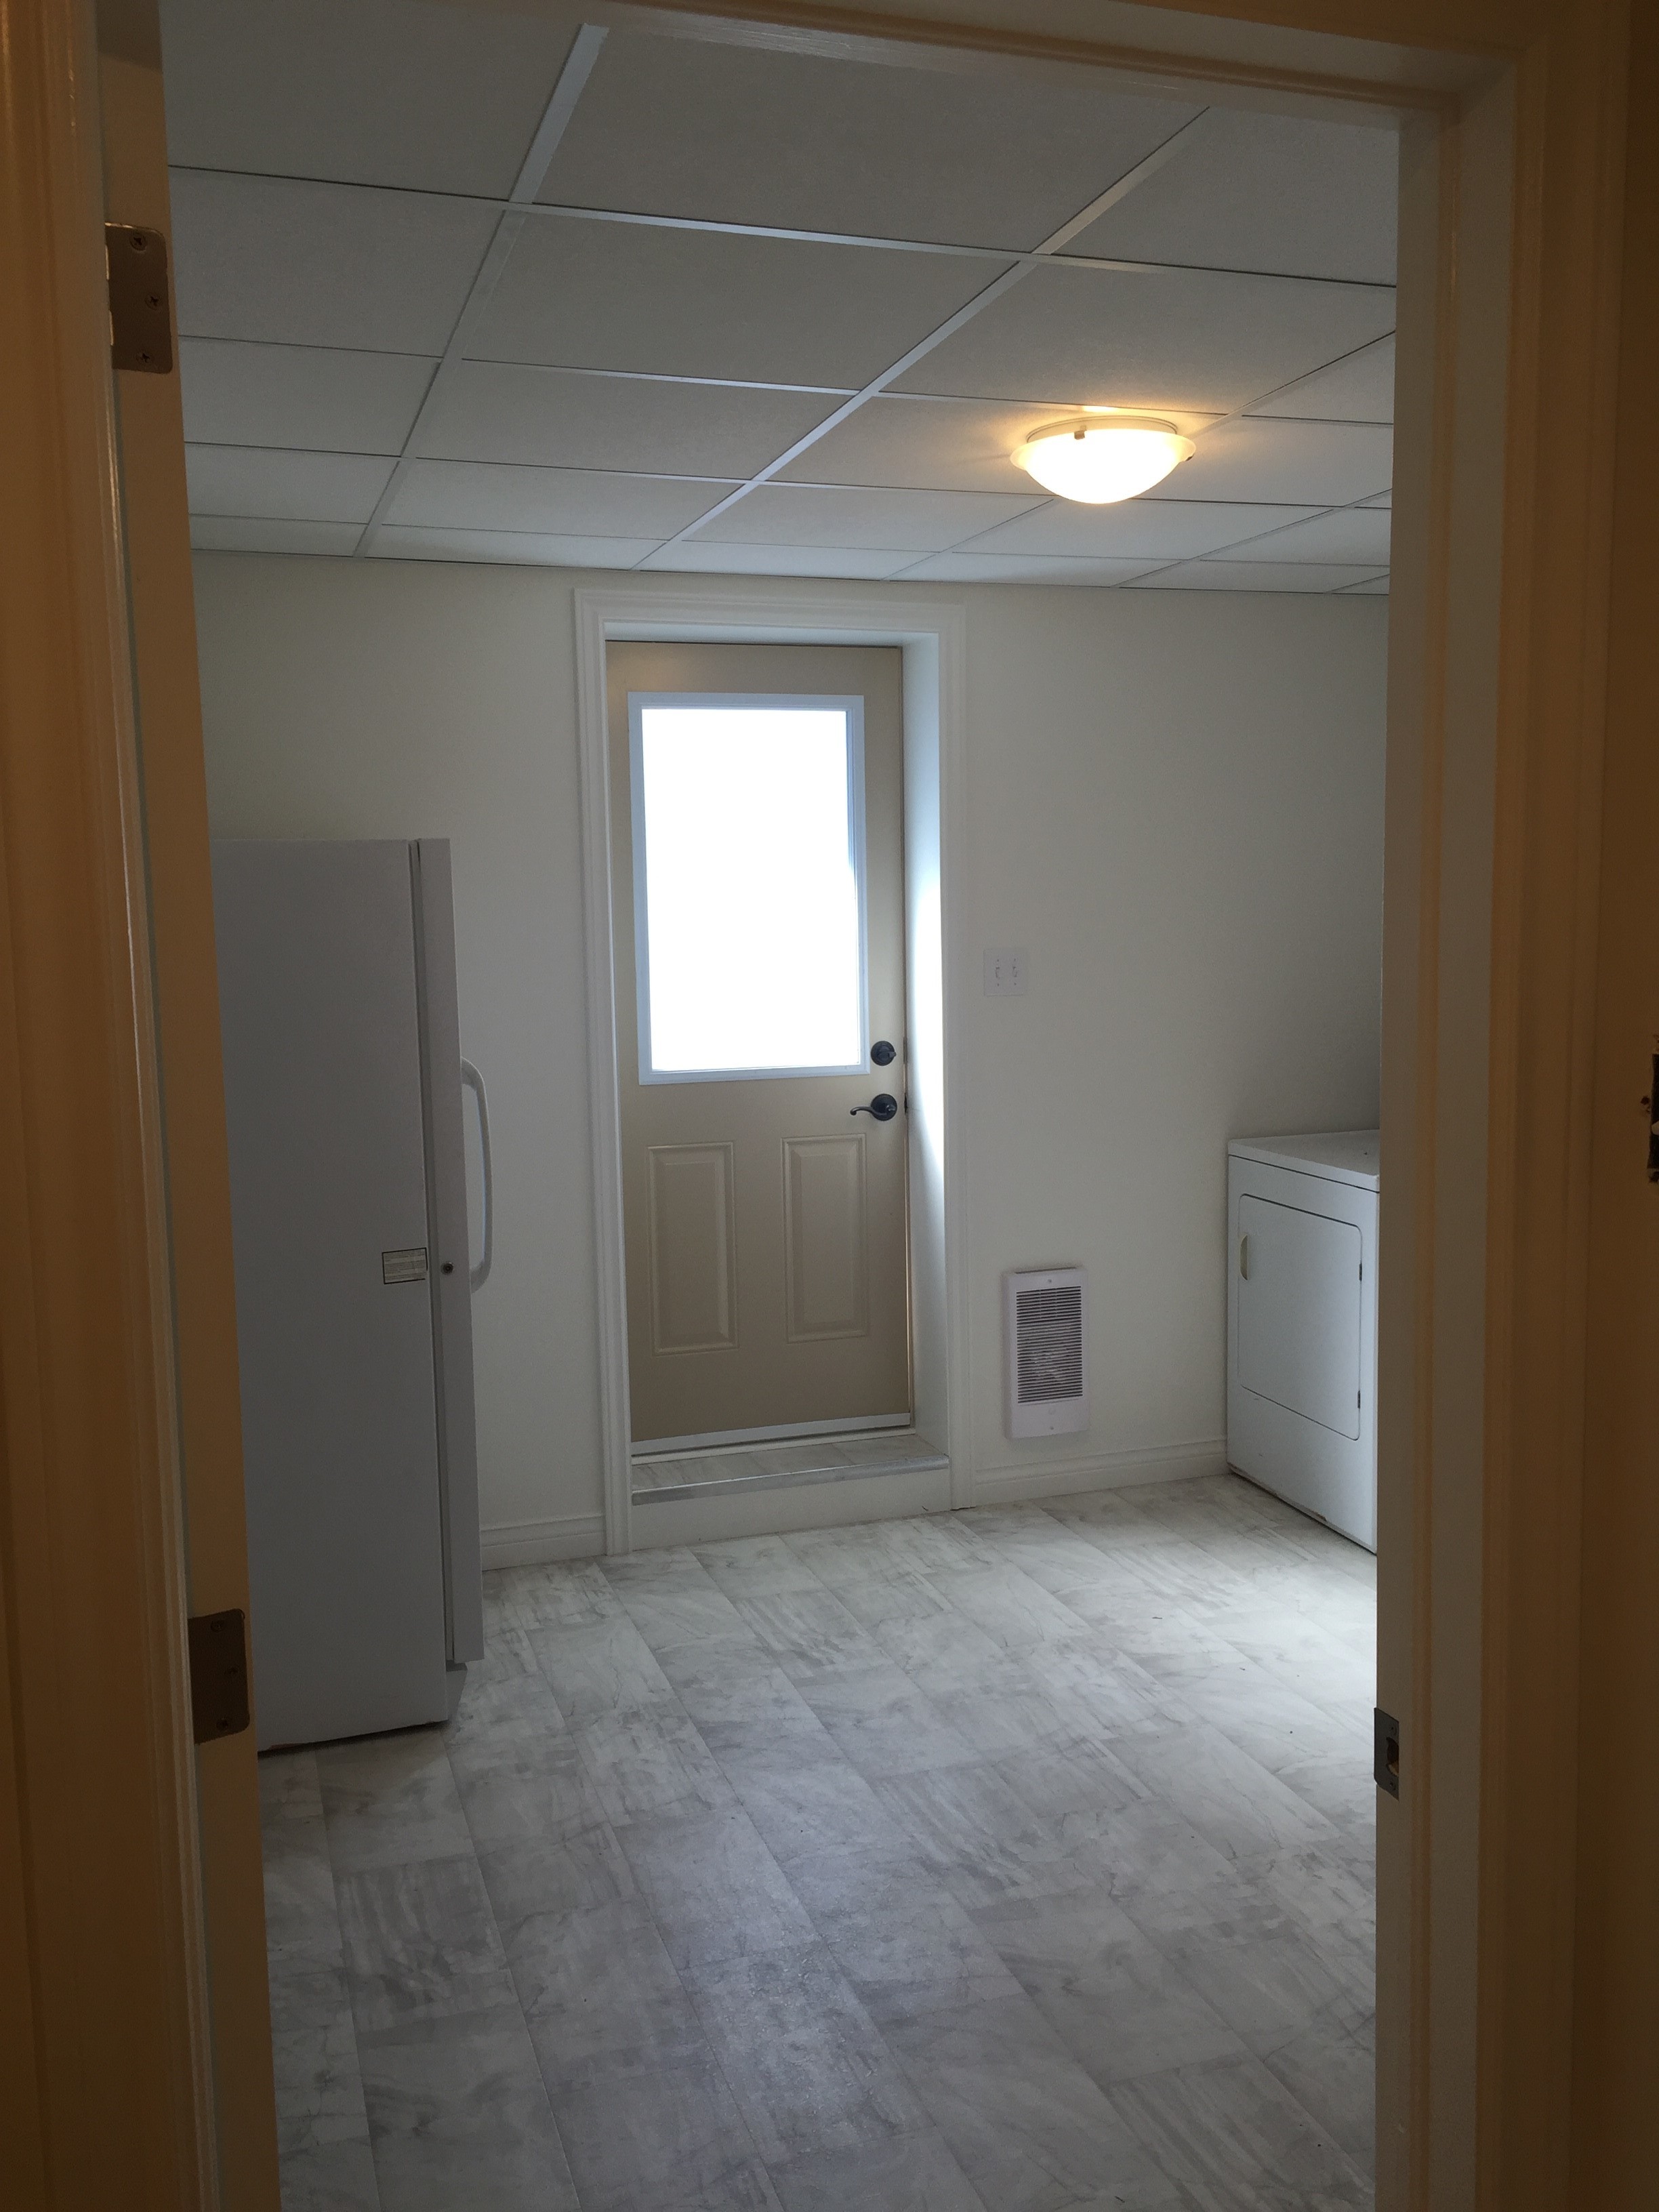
<point>1650,1106</point>
<point>218,1673</point>
<point>140,309</point>
<point>1385,1750</point>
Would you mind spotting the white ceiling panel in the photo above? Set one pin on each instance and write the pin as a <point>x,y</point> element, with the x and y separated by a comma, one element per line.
<point>1255,576</point>
<point>558,503</point>
<point>250,533</point>
<point>692,556</point>
<point>948,445</point>
<point>798,514</point>
<point>323,264</point>
<point>524,549</point>
<point>1382,499</point>
<point>377,92</point>
<point>1252,191</point>
<point>1161,529</point>
<point>303,487</point>
<point>317,397</point>
<point>501,411</point>
<point>586,294</point>
<point>1359,390</point>
<point>733,134</point>
<point>1020,568</point>
<point>1374,586</point>
<point>1300,464</point>
<point>1352,533</point>
<point>1171,338</point>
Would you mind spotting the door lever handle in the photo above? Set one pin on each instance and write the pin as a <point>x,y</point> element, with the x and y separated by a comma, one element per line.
<point>882,1106</point>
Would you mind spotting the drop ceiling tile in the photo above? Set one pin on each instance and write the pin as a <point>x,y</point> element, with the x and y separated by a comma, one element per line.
<point>734,134</point>
<point>945,445</point>
<point>589,294</point>
<point>1352,533</point>
<point>250,533</point>
<point>497,411</point>
<point>1255,576</point>
<point>1249,190</point>
<point>1300,464</point>
<point>799,515</point>
<point>302,486</point>
<point>519,548</point>
<point>555,503</point>
<point>1382,499</point>
<point>1357,389</point>
<point>691,555</point>
<point>1373,586</point>
<point>1161,529</point>
<point>382,91</point>
<point>316,396</point>
<point>1020,568</point>
<point>1168,338</point>
<point>323,264</point>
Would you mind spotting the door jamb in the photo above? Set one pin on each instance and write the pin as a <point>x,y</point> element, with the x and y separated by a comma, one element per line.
<point>932,640</point>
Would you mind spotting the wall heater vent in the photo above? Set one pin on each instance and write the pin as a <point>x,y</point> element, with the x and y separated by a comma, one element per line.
<point>1046,1333</point>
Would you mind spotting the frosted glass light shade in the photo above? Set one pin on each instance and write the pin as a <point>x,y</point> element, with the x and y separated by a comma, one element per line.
<point>1096,462</point>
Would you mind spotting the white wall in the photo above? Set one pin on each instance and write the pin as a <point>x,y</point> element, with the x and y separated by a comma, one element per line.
<point>1174,803</point>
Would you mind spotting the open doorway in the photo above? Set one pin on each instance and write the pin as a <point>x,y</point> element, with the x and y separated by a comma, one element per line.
<point>1036,1832</point>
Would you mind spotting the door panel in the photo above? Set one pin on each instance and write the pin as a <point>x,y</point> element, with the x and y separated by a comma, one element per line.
<point>1298,1312</point>
<point>826,1239</point>
<point>693,1292</point>
<point>766,1228</point>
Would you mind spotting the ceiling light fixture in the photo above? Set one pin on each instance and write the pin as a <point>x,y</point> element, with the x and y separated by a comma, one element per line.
<point>1094,461</point>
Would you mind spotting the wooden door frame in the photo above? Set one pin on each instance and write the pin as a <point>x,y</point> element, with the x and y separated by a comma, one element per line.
<point>932,639</point>
<point>1500,708</point>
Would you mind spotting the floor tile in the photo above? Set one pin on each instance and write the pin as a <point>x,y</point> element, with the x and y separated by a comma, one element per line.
<point>420,1943</point>
<point>1236,2141</point>
<point>904,1943</point>
<point>882,1723</point>
<point>670,2139</point>
<point>601,1993</point>
<point>905,2173</point>
<point>1118,2004</point>
<point>807,2066</point>
<point>1026,2124</point>
<point>390,1800</point>
<point>459,2116</point>
<point>716,1890</point>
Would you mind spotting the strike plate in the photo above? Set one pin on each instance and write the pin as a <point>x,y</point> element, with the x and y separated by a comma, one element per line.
<point>218,1673</point>
<point>140,323</point>
<point>1385,1753</point>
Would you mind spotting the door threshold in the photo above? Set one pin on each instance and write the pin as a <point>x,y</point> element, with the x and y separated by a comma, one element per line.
<point>782,1465</point>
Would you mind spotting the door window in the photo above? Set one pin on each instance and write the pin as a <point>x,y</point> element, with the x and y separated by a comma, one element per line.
<point>749,901</point>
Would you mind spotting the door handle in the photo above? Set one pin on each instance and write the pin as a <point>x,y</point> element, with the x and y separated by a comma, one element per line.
<point>882,1106</point>
<point>472,1081</point>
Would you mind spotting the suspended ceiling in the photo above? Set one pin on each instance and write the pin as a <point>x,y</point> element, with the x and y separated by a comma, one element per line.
<point>472,284</point>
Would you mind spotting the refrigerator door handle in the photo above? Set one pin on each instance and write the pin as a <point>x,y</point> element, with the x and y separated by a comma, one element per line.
<point>474,1081</point>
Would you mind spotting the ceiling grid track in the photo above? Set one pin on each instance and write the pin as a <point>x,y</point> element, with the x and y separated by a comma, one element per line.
<point>555,119</point>
<point>1052,244</point>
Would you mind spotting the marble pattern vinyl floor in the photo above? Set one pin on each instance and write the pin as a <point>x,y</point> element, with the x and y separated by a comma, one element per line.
<point>1010,1861</point>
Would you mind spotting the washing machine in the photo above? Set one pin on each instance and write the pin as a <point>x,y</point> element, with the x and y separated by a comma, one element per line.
<point>1302,1323</point>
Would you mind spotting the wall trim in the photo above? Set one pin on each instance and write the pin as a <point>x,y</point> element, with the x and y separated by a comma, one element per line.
<point>534,1543</point>
<point>1113,1470</point>
<point>926,631</point>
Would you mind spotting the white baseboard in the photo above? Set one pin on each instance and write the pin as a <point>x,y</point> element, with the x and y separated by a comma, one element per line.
<point>532,1543</point>
<point>1060,1477</point>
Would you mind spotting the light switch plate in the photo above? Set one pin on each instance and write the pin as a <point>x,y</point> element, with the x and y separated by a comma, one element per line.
<point>1004,974</point>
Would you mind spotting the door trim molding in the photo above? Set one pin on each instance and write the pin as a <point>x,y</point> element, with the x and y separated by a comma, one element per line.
<point>932,638</point>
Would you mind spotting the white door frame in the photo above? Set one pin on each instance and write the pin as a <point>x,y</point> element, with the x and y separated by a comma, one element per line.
<point>931,636</point>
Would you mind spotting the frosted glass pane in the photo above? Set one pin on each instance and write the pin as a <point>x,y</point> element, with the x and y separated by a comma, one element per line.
<point>750,907</point>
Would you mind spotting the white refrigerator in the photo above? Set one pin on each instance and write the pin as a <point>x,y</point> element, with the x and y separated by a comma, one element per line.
<point>344,1090</point>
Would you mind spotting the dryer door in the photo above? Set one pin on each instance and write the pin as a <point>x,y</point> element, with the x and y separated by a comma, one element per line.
<point>1299,1311</point>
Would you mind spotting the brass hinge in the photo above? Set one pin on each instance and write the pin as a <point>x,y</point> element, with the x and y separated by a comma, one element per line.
<point>218,1673</point>
<point>140,313</point>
